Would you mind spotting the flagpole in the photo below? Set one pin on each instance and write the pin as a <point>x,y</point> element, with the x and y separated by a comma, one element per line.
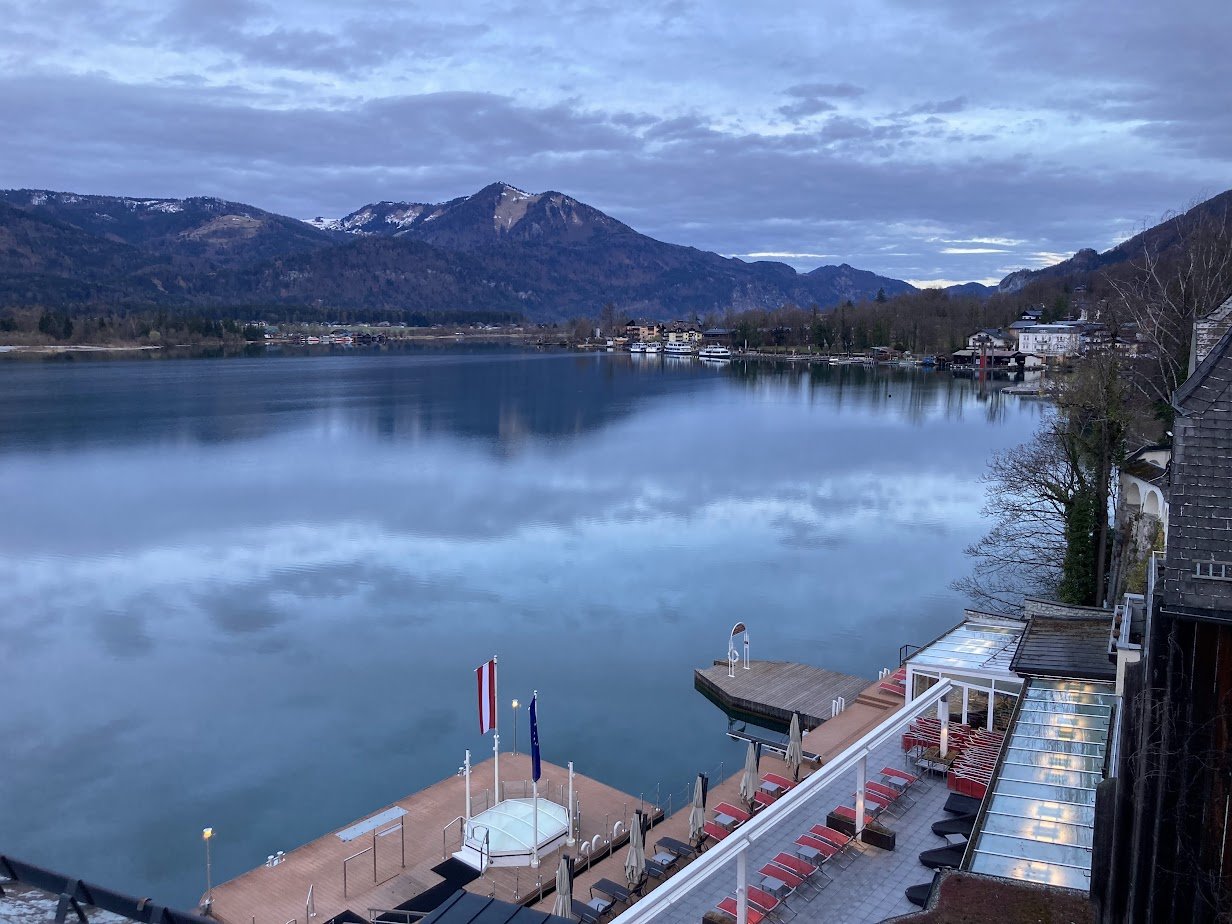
<point>496,796</point>
<point>467,767</point>
<point>569,840</point>
<point>535,787</point>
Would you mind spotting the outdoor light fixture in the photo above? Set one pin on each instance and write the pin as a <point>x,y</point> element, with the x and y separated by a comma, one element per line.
<point>207,834</point>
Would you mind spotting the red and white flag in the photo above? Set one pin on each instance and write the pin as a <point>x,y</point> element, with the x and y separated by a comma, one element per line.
<point>485,676</point>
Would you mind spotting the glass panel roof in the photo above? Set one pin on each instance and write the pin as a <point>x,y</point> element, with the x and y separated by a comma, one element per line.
<point>971,646</point>
<point>1041,810</point>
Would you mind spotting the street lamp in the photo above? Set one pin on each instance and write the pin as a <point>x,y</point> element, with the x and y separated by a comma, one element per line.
<point>515,726</point>
<point>207,835</point>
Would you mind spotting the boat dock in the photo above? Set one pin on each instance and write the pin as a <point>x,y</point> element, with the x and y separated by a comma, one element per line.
<point>404,850</point>
<point>773,690</point>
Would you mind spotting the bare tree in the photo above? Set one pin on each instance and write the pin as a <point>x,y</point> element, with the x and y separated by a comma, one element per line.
<point>1182,271</point>
<point>1031,491</point>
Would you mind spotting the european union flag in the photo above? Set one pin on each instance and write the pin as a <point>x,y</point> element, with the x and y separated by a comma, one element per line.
<point>535,770</point>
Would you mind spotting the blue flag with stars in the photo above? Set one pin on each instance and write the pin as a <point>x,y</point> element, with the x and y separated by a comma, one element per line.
<point>535,769</point>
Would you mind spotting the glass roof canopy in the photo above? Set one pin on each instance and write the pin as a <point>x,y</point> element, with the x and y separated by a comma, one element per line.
<point>971,646</point>
<point>1041,810</point>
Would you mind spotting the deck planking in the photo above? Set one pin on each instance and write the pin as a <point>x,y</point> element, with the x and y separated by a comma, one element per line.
<point>277,895</point>
<point>776,689</point>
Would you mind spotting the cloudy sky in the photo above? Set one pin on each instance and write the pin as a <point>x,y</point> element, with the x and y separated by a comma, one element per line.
<point>930,140</point>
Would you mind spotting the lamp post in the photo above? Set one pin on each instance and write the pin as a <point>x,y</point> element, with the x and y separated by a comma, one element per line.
<point>207,834</point>
<point>515,726</point>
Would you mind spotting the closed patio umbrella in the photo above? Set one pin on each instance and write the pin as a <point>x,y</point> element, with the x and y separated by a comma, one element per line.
<point>635,859</point>
<point>563,907</point>
<point>748,779</point>
<point>795,749</point>
<point>697,814</point>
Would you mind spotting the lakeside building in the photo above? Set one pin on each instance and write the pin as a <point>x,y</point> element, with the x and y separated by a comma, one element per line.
<point>1166,841</point>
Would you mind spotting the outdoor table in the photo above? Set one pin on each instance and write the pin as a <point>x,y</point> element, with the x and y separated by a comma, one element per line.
<point>807,853</point>
<point>772,788</point>
<point>725,820</point>
<point>663,858</point>
<point>775,886</point>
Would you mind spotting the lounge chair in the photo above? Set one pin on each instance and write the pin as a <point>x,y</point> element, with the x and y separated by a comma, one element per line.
<point>785,881</point>
<point>715,831</point>
<point>898,800</point>
<point>900,779</point>
<point>768,903</point>
<point>613,890</point>
<point>781,782</point>
<point>811,875</point>
<point>840,840</point>
<point>679,848</point>
<point>960,825</point>
<point>591,912</point>
<point>739,815</point>
<point>729,907</point>
<point>944,857</point>
<point>958,804</point>
<point>762,798</point>
<point>816,851</point>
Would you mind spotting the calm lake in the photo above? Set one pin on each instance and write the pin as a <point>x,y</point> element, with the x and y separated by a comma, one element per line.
<point>251,593</point>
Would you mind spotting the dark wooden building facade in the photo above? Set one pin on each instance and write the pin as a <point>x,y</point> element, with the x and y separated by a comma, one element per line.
<point>1164,824</point>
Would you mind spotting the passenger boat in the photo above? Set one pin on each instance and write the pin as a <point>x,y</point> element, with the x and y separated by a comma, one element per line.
<point>637,346</point>
<point>714,352</point>
<point>652,347</point>
<point>678,348</point>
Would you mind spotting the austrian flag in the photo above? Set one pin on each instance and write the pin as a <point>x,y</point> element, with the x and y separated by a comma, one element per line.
<point>485,675</point>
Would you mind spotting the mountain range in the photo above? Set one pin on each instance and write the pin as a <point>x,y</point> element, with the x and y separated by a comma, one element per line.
<point>545,256</point>
<point>502,251</point>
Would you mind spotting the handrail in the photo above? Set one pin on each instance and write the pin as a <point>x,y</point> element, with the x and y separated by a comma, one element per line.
<point>904,653</point>
<point>445,831</point>
<point>396,913</point>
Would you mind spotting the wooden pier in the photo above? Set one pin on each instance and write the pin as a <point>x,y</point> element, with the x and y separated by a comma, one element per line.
<point>773,690</point>
<point>399,864</point>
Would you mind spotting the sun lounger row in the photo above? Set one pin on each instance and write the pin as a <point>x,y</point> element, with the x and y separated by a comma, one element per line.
<point>971,773</point>
<point>925,732</point>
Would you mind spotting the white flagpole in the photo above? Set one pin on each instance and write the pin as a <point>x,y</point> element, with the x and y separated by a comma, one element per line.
<point>496,796</point>
<point>569,840</point>
<point>467,768</point>
<point>535,787</point>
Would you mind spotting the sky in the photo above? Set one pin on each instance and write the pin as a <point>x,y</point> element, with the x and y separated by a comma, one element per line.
<point>935,141</point>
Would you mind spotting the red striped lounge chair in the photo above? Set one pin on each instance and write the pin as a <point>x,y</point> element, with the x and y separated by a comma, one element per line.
<point>781,782</point>
<point>811,875</point>
<point>714,831</point>
<point>728,906</point>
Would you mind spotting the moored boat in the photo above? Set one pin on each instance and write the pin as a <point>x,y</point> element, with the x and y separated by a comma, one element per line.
<point>714,352</point>
<point>678,348</point>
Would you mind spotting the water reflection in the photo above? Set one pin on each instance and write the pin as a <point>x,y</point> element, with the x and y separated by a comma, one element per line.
<point>249,593</point>
<point>501,396</point>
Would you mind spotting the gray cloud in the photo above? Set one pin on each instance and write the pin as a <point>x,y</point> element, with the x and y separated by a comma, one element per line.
<point>1056,126</point>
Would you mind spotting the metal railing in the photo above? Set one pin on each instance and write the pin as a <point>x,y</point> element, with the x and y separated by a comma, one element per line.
<point>459,821</point>
<point>395,915</point>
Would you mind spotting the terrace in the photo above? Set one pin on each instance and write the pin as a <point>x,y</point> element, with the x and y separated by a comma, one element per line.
<point>859,884</point>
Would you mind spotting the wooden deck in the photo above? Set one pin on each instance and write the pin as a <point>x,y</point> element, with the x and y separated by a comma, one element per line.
<point>775,689</point>
<point>278,895</point>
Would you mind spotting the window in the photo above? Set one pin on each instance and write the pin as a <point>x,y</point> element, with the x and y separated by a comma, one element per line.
<point>1213,570</point>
